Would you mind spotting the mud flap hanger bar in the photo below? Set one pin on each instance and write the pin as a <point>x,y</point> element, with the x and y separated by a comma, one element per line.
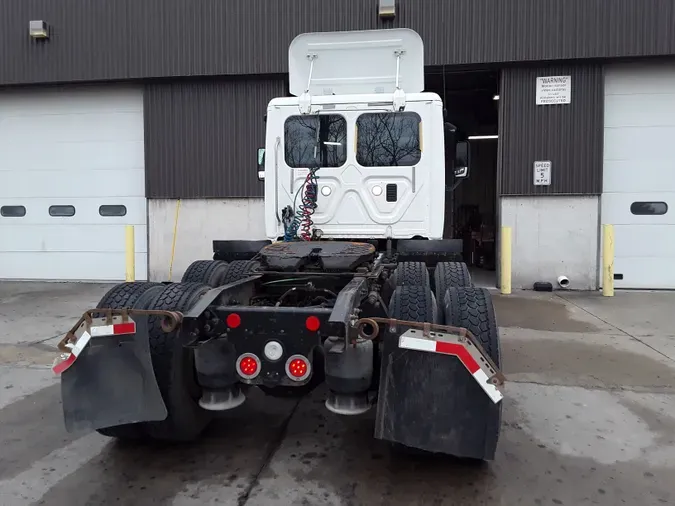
<point>170,321</point>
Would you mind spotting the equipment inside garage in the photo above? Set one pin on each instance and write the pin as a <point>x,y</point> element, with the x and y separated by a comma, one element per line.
<point>471,99</point>
<point>73,177</point>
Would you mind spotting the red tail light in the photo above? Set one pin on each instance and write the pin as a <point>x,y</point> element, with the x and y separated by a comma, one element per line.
<point>312,323</point>
<point>298,368</point>
<point>233,320</point>
<point>248,366</point>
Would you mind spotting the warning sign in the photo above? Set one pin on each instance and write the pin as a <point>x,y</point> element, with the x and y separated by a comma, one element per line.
<point>554,90</point>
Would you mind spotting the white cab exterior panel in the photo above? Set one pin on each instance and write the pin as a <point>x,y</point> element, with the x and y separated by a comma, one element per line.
<point>356,62</point>
<point>639,168</point>
<point>72,146</point>
<point>354,208</point>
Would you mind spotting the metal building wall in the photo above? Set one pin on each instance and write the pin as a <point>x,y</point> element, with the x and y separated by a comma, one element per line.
<point>201,136</point>
<point>128,39</point>
<point>570,136</point>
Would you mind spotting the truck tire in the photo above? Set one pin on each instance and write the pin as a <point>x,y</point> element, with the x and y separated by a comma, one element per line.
<point>449,275</point>
<point>406,274</point>
<point>411,274</point>
<point>135,295</point>
<point>472,308</point>
<point>239,269</point>
<point>208,272</point>
<point>413,303</point>
<point>174,368</point>
<point>124,295</point>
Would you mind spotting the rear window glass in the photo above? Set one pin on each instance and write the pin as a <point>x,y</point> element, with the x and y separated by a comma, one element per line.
<point>649,208</point>
<point>302,148</point>
<point>388,139</point>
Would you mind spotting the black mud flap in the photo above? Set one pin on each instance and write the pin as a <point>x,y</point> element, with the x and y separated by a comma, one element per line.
<point>112,383</point>
<point>430,402</point>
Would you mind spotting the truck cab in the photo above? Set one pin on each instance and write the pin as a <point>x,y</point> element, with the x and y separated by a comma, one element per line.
<point>360,147</point>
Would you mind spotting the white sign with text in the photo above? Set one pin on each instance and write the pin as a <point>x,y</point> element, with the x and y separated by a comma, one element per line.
<point>554,90</point>
<point>542,173</point>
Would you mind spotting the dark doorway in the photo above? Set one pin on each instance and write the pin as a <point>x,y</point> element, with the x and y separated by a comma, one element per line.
<point>471,99</point>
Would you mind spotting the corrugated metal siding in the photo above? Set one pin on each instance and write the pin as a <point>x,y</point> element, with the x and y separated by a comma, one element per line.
<point>570,136</point>
<point>121,39</point>
<point>201,136</point>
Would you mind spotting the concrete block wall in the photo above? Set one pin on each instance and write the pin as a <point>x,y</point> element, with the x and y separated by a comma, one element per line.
<point>553,236</point>
<point>200,222</point>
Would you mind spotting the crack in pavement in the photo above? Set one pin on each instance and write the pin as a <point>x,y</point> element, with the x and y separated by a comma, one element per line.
<point>272,449</point>
<point>615,327</point>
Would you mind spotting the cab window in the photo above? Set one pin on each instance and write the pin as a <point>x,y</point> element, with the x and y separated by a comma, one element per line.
<point>302,147</point>
<point>388,139</point>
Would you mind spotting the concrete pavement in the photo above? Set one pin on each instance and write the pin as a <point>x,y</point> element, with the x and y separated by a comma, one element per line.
<point>589,418</point>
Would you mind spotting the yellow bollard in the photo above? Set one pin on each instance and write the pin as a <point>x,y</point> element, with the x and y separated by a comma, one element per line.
<point>608,260</point>
<point>505,256</point>
<point>131,253</point>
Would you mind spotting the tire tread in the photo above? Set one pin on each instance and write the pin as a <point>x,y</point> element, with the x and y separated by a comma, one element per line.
<point>208,272</point>
<point>185,419</point>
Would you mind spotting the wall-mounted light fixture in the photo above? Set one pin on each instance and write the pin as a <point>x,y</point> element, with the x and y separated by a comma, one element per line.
<point>496,97</point>
<point>38,29</point>
<point>387,9</point>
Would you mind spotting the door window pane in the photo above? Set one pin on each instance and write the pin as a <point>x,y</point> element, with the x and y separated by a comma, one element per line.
<point>111,210</point>
<point>388,139</point>
<point>63,211</point>
<point>13,211</point>
<point>649,208</point>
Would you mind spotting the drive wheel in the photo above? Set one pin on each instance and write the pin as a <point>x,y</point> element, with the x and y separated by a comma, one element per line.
<point>450,275</point>
<point>208,272</point>
<point>472,308</point>
<point>413,303</point>
<point>239,269</point>
<point>407,274</point>
<point>174,368</point>
<point>135,295</point>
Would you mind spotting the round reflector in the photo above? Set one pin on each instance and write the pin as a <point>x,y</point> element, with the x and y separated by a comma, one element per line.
<point>298,368</point>
<point>248,366</point>
<point>233,320</point>
<point>312,323</point>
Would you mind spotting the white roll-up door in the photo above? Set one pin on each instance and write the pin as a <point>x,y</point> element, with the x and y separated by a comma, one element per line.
<point>639,173</point>
<point>71,179</point>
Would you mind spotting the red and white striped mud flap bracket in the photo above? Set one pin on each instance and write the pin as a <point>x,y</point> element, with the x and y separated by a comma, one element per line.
<point>85,332</point>
<point>461,347</point>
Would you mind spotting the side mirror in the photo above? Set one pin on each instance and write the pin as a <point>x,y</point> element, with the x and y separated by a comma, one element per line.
<point>261,164</point>
<point>462,159</point>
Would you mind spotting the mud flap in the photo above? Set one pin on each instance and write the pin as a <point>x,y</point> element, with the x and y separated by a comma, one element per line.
<point>430,402</point>
<point>112,383</point>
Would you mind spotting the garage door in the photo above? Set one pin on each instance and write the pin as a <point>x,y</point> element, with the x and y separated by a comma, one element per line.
<point>639,173</point>
<point>72,178</point>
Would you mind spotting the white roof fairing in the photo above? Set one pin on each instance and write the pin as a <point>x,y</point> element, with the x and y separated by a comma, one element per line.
<point>356,62</point>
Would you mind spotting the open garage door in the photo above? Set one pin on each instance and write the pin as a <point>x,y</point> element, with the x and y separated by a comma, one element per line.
<point>639,173</point>
<point>72,172</point>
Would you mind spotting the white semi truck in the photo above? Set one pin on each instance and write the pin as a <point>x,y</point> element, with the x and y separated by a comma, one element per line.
<point>355,287</point>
